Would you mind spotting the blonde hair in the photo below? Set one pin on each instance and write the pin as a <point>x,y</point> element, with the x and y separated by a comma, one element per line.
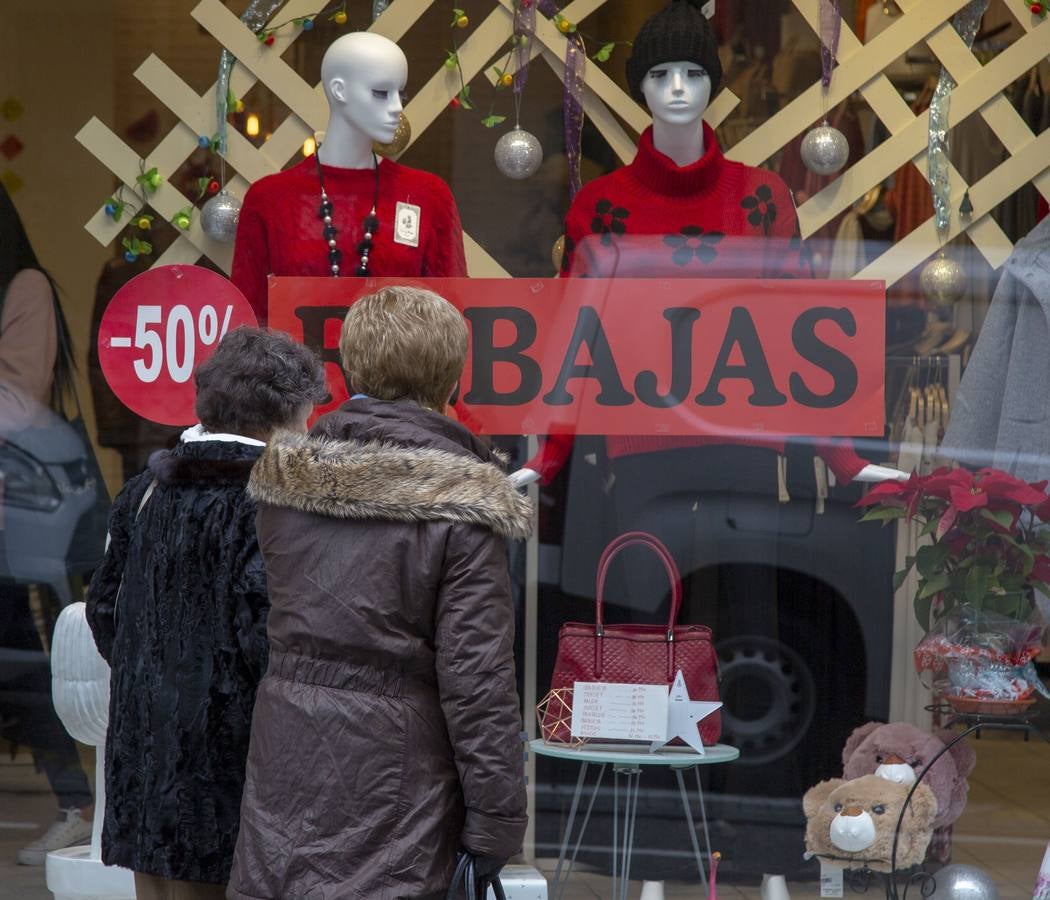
<point>404,343</point>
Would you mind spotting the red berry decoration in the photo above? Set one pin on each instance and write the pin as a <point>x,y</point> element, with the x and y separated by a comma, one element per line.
<point>454,103</point>
<point>213,187</point>
<point>1037,8</point>
<point>269,40</point>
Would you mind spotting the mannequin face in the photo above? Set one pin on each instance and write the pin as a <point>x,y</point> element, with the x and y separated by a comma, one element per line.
<point>677,92</point>
<point>363,76</point>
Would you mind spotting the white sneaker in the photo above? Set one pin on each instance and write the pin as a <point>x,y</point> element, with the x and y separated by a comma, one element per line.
<point>70,830</point>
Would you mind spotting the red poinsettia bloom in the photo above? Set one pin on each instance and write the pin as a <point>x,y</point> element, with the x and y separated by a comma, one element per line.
<point>940,482</point>
<point>988,489</point>
<point>894,493</point>
<point>1001,486</point>
<point>966,499</point>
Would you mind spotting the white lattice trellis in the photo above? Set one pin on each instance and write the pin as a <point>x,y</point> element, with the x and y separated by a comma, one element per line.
<point>980,90</point>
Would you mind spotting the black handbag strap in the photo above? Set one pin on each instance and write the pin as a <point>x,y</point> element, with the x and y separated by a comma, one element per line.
<point>464,864</point>
<point>497,889</point>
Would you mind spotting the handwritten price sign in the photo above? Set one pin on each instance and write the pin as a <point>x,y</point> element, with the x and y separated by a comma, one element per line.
<point>155,332</point>
<point>626,712</point>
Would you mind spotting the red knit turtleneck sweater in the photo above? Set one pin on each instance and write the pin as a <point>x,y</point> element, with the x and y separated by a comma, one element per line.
<point>279,232</point>
<point>714,218</point>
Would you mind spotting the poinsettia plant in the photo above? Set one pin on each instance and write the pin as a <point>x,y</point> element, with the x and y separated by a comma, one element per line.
<point>989,539</point>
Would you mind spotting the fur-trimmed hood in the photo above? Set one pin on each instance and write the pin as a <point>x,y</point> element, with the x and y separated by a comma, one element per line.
<point>355,478</point>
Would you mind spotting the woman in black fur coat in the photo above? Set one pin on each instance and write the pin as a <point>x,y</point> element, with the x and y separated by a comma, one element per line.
<point>178,609</point>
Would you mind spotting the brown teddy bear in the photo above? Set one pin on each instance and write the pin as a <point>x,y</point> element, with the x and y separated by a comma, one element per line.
<point>853,822</point>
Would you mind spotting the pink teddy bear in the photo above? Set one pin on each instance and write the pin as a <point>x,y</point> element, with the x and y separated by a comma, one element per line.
<point>890,750</point>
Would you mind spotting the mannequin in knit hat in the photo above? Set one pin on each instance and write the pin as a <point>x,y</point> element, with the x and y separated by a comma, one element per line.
<point>681,209</point>
<point>675,70</point>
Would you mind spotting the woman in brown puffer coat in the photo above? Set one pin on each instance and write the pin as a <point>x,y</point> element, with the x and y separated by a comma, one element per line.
<point>386,731</point>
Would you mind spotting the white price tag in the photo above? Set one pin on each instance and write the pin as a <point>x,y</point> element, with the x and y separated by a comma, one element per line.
<point>830,880</point>
<point>626,712</point>
<point>708,9</point>
<point>406,224</point>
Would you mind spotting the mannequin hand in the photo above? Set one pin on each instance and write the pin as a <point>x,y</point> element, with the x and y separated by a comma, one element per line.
<point>524,477</point>
<point>874,474</point>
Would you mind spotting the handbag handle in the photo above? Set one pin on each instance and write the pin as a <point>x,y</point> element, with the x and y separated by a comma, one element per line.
<point>617,545</point>
<point>466,875</point>
<point>464,868</point>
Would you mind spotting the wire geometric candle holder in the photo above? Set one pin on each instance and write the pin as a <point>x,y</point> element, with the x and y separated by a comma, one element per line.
<point>554,713</point>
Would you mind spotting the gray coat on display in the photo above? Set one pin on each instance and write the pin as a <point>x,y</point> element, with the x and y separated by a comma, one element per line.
<point>1001,416</point>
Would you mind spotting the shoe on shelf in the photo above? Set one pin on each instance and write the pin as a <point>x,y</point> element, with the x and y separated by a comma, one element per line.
<point>70,830</point>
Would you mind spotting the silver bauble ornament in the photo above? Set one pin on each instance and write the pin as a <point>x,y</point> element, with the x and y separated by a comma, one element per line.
<point>401,138</point>
<point>958,882</point>
<point>943,281</point>
<point>219,217</point>
<point>825,150</point>
<point>518,154</point>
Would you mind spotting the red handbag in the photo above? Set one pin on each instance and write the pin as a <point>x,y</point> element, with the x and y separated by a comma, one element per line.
<point>632,654</point>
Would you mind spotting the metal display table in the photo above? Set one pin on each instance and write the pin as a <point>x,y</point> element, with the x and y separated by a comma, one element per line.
<point>628,765</point>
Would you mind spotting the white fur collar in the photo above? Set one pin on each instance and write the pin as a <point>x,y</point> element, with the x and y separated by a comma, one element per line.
<point>197,433</point>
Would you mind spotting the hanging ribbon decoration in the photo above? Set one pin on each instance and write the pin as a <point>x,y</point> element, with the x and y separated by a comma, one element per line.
<point>255,16</point>
<point>825,149</point>
<point>966,22</point>
<point>575,63</point>
<point>943,279</point>
<point>220,214</point>
<point>830,32</point>
<point>518,153</point>
<point>572,95</point>
<point>524,27</point>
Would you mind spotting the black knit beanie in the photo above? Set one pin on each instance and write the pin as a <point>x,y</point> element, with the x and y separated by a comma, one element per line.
<point>679,31</point>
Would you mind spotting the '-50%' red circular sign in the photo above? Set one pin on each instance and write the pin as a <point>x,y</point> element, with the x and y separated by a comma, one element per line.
<point>157,329</point>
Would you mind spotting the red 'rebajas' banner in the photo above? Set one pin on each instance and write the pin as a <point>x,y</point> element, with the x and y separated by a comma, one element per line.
<point>640,356</point>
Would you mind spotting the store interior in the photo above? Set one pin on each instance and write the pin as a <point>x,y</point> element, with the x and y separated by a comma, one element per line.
<point>832,633</point>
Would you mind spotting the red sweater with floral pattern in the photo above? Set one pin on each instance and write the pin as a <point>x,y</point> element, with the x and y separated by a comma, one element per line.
<point>712,219</point>
<point>279,232</point>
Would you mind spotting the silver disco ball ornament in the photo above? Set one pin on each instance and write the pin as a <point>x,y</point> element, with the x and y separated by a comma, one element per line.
<point>958,882</point>
<point>518,154</point>
<point>825,150</point>
<point>219,217</point>
<point>943,281</point>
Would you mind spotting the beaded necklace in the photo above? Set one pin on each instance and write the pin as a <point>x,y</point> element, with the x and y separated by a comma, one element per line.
<point>330,232</point>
